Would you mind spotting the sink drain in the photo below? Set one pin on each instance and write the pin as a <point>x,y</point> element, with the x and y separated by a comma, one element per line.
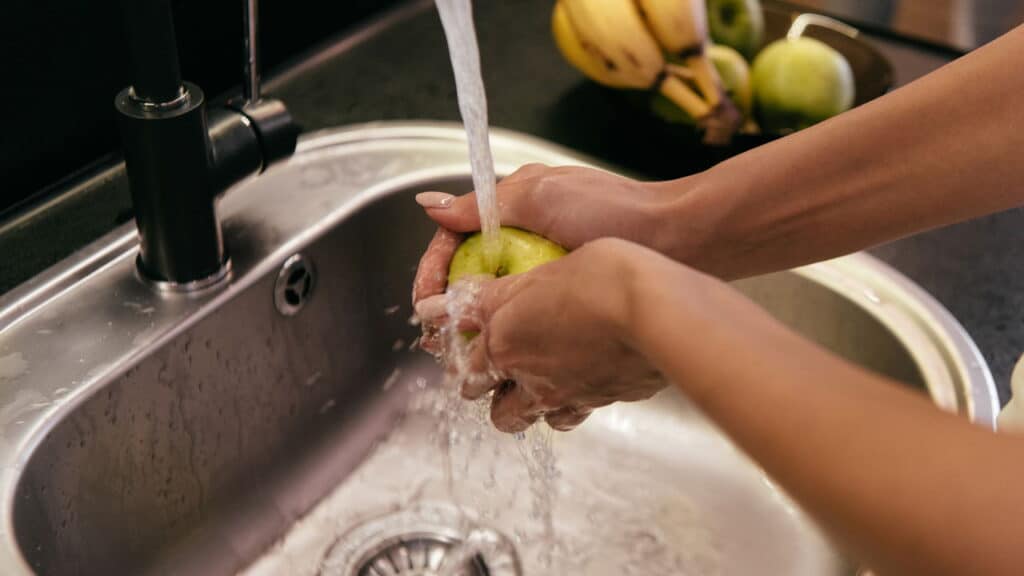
<point>418,555</point>
<point>421,541</point>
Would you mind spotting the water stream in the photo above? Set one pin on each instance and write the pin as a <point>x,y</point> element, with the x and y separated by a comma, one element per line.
<point>534,446</point>
<point>457,19</point>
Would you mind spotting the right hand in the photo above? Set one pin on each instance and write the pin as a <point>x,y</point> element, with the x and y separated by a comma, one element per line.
<point>554,341</point>
<point>569,205</point>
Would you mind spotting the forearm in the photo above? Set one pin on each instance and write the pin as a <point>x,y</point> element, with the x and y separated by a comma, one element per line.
<point>941,150</point>
<point>886,472</point>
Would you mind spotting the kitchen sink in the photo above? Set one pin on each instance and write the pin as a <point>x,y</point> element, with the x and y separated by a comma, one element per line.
<point>282,422</point>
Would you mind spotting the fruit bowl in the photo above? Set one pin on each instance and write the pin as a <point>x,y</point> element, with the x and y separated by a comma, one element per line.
<point>872,71</point>
<point>675,148</point>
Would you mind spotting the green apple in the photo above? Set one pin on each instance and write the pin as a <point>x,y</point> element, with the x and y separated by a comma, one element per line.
<point>737,23</point>
<point>735,75</point>
<point>519,251</point>
<point>799,82</point>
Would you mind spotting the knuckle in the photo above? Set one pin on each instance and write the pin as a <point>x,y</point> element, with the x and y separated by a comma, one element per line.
<point>606,247</point>
<point>533,168</point>
<point>526,171</point>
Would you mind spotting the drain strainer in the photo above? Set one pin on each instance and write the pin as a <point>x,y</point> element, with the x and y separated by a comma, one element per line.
<point>423,540</point>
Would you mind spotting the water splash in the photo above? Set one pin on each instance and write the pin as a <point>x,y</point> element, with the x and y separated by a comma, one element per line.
<point>461,422</point>
<point>478,543</point>
<point>537,452</point>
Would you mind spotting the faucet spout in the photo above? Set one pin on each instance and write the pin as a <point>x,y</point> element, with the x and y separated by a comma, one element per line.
<point>149,29</point>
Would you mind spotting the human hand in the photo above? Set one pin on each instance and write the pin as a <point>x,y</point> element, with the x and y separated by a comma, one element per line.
<point>552,340</point>
<point>569,205</point>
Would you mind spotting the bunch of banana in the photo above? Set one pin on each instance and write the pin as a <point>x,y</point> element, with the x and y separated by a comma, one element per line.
<point>658,45</point>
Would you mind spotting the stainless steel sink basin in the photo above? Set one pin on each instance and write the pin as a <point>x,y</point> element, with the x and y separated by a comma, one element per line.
<point>152,432</point>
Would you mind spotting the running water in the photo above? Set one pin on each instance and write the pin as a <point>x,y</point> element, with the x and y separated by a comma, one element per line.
<point>457,19</point>
<point>535,445</point>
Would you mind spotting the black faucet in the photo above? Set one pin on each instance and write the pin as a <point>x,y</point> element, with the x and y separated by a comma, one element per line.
<point>178,158</point>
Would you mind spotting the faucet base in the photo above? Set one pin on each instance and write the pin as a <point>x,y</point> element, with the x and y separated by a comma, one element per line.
<point>168,157</point>
<point>191,287</point>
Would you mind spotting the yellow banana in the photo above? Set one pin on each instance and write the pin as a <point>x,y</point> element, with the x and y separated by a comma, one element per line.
<point>573,51</point>
<point>621,44</point>
<point>613,32</point>
<point>680,26</point>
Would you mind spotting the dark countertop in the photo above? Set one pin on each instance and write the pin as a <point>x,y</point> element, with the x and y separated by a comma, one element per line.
<point>963,24</point>
<point>397,68</point>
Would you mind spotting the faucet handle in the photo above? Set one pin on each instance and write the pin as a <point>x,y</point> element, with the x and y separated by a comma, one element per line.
<point>277,131</point>
<point>267,119</point>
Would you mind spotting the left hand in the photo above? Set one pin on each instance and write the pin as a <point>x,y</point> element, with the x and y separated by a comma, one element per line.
<point>552,339</point>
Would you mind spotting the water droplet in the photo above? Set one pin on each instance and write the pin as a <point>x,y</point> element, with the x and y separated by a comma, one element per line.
<point>327,406</point>
<point>314,378</point>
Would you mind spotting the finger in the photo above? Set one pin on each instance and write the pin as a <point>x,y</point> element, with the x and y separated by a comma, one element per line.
<point>432,310</point>
<point>430,340</point>
<point>457,213</point>
<point>432,272</point>
<point>489,297</point>
<point>515,200</point>
<point>477,384</point>
<point>484,377</point>
<point>514,408</point>
<point>565,419</point>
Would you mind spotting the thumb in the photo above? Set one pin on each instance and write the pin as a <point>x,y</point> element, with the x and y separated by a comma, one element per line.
<point>456,213</point>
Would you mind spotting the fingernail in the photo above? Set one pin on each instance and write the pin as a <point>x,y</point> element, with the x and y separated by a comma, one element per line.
<point>431,308</point>
<point>435,199</point>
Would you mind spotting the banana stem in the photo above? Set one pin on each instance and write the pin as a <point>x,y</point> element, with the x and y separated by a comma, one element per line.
<point>680,71</point>
<point>706,78</point>
<point>683,96</point>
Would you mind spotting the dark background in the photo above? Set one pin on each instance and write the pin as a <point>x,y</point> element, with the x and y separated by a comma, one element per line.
<point>63,61</point>
<point>963,24</point>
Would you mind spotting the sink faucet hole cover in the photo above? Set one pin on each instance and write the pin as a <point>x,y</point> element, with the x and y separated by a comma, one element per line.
<point>294,285</point>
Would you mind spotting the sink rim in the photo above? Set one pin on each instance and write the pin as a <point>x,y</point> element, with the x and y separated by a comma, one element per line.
<point>944,351</point>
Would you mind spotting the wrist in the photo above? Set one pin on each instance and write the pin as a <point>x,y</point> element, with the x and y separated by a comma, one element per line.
<point>692,224</point>
<point>644,279</point>
<point>613,303</point>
